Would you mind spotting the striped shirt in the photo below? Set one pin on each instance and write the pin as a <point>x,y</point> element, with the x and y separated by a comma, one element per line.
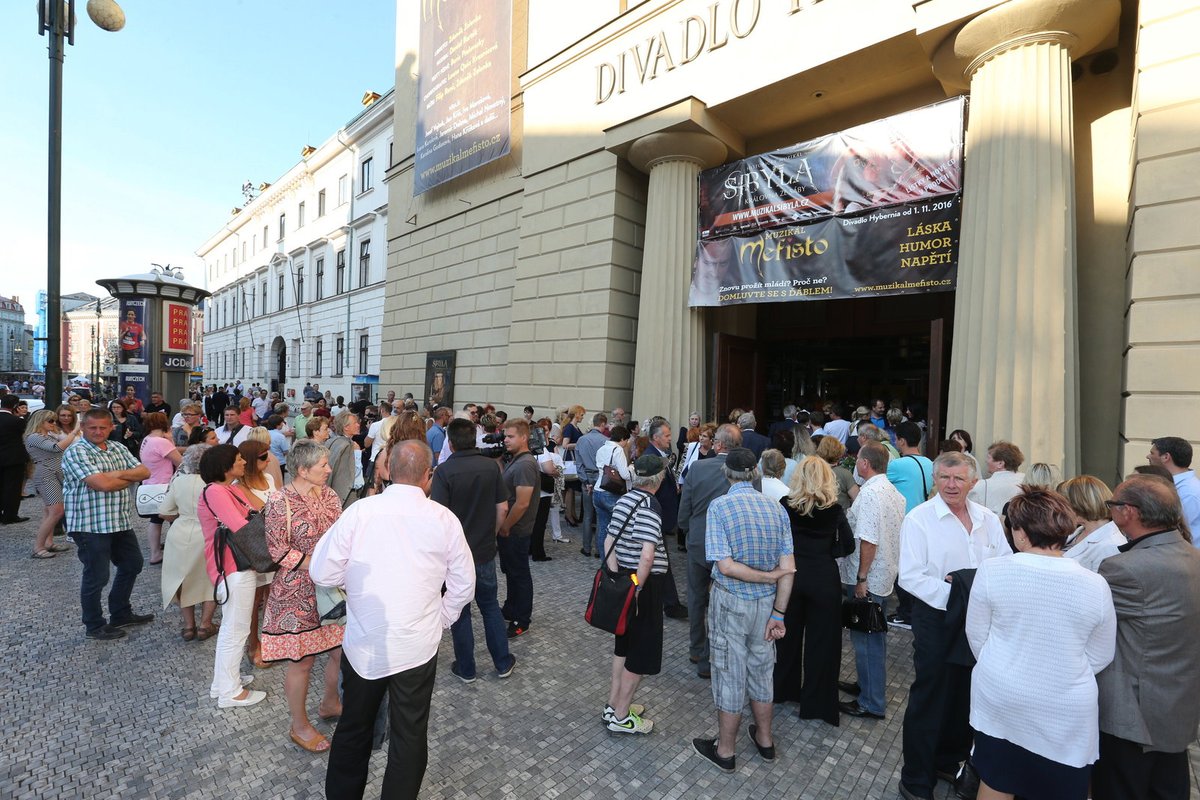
<point>88,510</point>
<point>646,526</point>
<point>752,530</point>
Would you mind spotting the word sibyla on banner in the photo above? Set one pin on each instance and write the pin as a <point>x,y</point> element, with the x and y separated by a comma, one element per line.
<point>873,210</point>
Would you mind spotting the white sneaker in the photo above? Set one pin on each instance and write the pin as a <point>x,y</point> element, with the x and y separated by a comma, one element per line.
<point>246,681</point>
<point>252,697</point>
<point>563,540</point>
<point>631,724</point>
<point>610,713</point>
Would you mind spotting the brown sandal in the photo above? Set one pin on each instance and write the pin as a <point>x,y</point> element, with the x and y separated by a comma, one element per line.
<point>187,633</point>
<point>317,744</point>
<point>207,631</point>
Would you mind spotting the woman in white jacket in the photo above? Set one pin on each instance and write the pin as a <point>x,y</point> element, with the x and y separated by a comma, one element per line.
<point>614,453</point>
<point>1097,536</point>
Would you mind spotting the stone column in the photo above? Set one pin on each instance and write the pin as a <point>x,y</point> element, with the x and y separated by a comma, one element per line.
<point>1014,360</point>
<point>669,371</point>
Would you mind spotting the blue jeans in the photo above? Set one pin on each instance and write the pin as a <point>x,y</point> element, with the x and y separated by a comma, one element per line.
<point>96,551</point>
<point>604,502</point>
<point>514,563</point>
<point>493,625</point>
<point>870,657</point>
<point>589,518</point>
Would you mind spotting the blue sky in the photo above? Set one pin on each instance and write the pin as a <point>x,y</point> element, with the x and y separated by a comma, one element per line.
<point>164,120</point>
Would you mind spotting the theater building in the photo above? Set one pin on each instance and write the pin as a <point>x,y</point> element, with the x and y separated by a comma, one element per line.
<point>559,268</point>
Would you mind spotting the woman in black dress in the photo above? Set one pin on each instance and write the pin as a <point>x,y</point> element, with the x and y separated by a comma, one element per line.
<point>809,656</point>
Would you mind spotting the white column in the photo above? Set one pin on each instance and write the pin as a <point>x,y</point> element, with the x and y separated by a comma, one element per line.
<point>669,371</point>
<point>1014,359</point>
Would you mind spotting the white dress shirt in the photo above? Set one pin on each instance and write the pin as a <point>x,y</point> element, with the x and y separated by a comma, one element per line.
<point>839,428</point>
<point>934,543</point>
<point>392,552</point>
<point>774,489</point>
<point>1189,497</point>
<point>876,517</point>
<point>1098,545</point>
<point>1041,627</point>
<point>997,490</point>
<point>239,437</point>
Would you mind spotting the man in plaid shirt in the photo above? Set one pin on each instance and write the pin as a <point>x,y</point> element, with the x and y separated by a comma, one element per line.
<point>748,539</point>
<point>99,506</point>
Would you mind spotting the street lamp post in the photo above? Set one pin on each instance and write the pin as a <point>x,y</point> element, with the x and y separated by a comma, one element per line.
<point>56,19</point>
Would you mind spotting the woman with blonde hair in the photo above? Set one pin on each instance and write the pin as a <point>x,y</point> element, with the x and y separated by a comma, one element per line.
<point>572,432</point>
<point>831,451</point>
<point>1042,476</point>
<point>271,467</point>
<point>45,443</point>
<point>184,575</point>
<point>809,656</point>
<point>1096,536</point>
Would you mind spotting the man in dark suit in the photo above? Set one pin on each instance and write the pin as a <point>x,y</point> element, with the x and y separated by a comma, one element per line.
<point>786,424</point>
<point>668,501</point>
<point>705,482</point>
<point>13,459</point>
<point>1148,695</point>
<point>752,440</point>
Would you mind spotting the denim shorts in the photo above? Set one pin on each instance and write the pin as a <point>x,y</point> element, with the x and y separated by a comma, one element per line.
<point>743,661</point>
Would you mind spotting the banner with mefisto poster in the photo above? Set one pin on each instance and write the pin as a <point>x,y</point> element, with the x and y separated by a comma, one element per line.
<point>872,210</point>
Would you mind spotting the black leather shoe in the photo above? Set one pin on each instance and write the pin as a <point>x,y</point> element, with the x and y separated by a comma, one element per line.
<point>676,612</point>
<point>704,674</point>
<point>14,520</point>
<point>966,785</point>
<point>855,710</point>
<point>105,633</point>
<point>133,619</point>
<point>851,688</point>
<point>909,793</point>
<point>707,749</point>
<point>767,753</point>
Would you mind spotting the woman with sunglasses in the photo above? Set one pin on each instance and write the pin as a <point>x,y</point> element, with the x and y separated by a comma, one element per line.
<point>258,485</point>
<point>45,444</point>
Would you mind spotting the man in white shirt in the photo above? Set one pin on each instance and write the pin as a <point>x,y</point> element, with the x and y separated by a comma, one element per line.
<point>1176,455</point>
<point>261,405</point>
<point>870,572</point>
<point>1004,483</point>
<point>836,426</point>
<point>233,431</point>
<point>945,534</point>
<point>392,553</point>
<point>374,440</point>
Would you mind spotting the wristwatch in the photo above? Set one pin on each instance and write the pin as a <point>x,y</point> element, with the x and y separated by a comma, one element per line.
<point>861,579</point>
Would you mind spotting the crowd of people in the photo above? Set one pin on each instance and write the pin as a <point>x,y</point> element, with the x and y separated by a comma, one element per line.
<point>1050,618</point>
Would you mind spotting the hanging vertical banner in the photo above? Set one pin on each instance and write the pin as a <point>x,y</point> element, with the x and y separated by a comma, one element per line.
<point>177,327</point>
<point>872,210</point>
<point>439,378</point>
<point>464,85</point>
<point>133,348</point>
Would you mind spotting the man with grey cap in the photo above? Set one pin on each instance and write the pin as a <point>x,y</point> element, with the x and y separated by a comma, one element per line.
<point>635,545</point>
<point>748,539</point>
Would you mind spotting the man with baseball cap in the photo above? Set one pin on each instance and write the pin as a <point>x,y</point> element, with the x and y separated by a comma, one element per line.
<point>748,539</point>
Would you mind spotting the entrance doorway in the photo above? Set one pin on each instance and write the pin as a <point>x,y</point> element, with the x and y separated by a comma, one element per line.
<point>849,351</point>
<point>279,357</point>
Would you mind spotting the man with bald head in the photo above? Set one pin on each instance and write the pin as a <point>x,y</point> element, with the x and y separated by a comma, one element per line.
<point>392,552</point>
<point>1148,708</point>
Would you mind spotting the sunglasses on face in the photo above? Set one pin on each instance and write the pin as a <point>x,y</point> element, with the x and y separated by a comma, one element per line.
<point>263,457</point>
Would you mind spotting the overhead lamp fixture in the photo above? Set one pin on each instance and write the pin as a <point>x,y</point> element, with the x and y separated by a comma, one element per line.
<point>307,151</point>
<point>370,97</point>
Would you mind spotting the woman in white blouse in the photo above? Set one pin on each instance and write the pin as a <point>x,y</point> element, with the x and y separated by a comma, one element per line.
<point>614,453</point>
<point>1041,627</point>
<point>1097,536</point>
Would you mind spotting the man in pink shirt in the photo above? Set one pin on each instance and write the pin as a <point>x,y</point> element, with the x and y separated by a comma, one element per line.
<point>392,553</point>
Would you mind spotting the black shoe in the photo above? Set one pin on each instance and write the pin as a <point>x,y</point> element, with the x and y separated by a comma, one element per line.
<point>133,619</point>
<point>515,630</point>
<point>855,710</point>
<point>897,621</point>
<point>541,558</point>
<point>966,785</point>
<point>767,753</point>
<point>583,552</point>
<point>707,749</point>
<point>850,688</point>
<point>675,612</point>
<point>15,520</point>
<point>458,674</point>
<point>105,633</point>
<point>909,793</point>
<point>704,674</point>
<point>948,774</point>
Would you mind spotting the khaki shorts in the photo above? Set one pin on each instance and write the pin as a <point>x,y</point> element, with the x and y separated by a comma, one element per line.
<point>743,661</point>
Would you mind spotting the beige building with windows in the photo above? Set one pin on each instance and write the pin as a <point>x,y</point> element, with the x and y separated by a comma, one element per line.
<point>560,272</point>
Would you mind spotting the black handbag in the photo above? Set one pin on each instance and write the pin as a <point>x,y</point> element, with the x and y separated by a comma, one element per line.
<point>613,593</point>
<point>864,616</point>
<point>248,544</point>
<point>612,482</point>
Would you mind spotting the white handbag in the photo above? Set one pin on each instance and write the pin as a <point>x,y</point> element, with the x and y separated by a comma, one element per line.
<point>150,497</point>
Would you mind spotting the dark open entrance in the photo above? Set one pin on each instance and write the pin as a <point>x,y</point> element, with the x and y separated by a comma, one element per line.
<point>849,351</point>
<point>279,374</point>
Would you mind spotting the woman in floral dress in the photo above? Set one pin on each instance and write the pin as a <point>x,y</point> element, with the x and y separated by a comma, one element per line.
<point>296,518</point>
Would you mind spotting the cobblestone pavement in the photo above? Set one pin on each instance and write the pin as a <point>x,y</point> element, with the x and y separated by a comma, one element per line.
<point>132,718</point>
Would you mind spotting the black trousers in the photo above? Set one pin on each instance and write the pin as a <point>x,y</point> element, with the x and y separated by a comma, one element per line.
<point>537,542</point>
<point>670,592</point>
<point>809,657</point>
<point>408,695</point>
<point>1125,772</point>
<point>937,730</point>
<point>12,482</point>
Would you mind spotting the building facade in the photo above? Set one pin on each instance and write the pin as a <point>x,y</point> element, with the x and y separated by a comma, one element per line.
<point>297,275</point>
<point>89,341</point>
<point>560,272</point>
<point>15,353</point>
